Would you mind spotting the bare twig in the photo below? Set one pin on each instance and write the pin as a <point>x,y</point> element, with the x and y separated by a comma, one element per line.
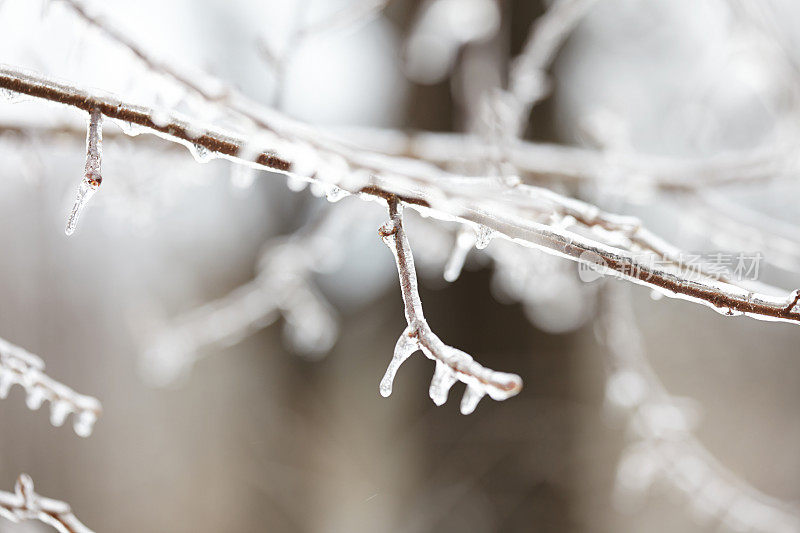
<point>24,504</point>
<point>193,85</point>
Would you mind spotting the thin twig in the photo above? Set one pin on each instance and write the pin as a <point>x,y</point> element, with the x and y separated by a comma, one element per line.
<point>451,364</point>
<point>283,286</point>
<point>24,504</point>
<point>427,189</point>
<point>19,367</point>
<point>668,444</point>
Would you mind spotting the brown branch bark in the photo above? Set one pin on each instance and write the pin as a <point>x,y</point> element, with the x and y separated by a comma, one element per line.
<point>433,192</point>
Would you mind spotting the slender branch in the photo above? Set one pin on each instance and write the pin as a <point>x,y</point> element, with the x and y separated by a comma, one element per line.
<point>152,63</point>
<point>666,445</point>
<point>451,364</point>
<point>281,287</point>
<point>20,367</point>
<point>548,33</point>
<point>351,16</point>
<point>569,165</point>
<point>482,204</point>
<point>24,504</point>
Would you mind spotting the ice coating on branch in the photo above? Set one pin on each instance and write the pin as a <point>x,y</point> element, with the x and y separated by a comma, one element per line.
<point>465,240</point>
<point>200,153</point>
<point>18,367</point>
<point>24,504</point>
<point>452,364</point>
<point>92,177</point>
<point>86,190</point>
<point>484,237</point>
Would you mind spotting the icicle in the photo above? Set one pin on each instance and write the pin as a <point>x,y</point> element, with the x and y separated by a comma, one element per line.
<point>484,236</point>
<point>464,243</point>
<point>242,176</point>
<point>470,399</point>
<point>296,184</point>
<point>444,378</point>
<point>406,345</point>
<point>334,193</point>
<point>59,410</point>
<point>35,399</point>
<point>318,188</point>
<point>92,177</point>
<point>6,380</point>
<point>84,423</point>
<point>160,118</point>
<point>727,311</point>
<point>129,128</point>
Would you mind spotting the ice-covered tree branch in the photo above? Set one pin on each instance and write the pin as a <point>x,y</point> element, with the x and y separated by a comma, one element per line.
<point>527,82</point>
<point>478,202</point>
<point>451,363</point>
<point>24,504</point>
<point>17,366</point>
<point>570,166</point>
<point>665,446</point>
<point>282,287</point>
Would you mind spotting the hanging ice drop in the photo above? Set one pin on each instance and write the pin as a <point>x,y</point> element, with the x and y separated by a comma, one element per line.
<point>470,400</point>
<point>406,345</point>
<point>35,398</point>
<point>444,378</point>
<point>59,410</point>
<point>92,177</point>
<point>464,243</point>
<point>84,423</point>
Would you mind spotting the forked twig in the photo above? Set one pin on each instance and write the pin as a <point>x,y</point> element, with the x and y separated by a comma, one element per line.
<point>451,363</point>
<point>24,504</point>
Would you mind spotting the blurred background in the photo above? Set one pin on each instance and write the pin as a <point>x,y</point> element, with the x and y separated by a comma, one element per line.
<point>260,435</point>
